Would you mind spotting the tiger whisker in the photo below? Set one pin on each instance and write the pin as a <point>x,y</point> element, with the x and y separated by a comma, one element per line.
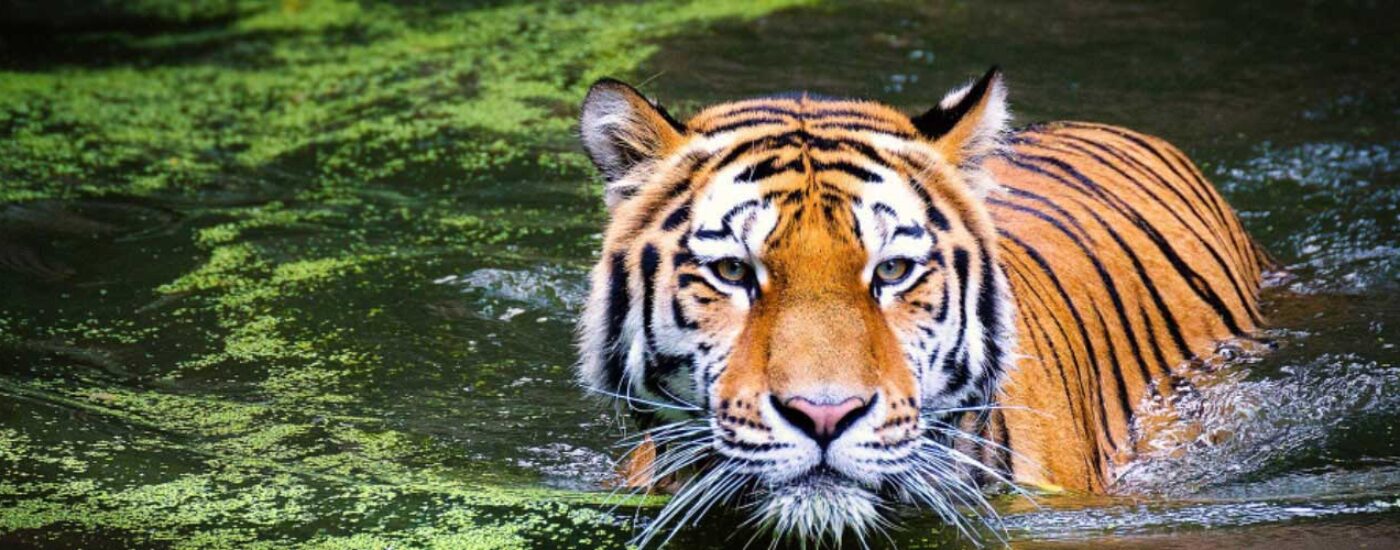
<point>968,496</point>
<point>667,464</point>
<point>933,463</point>
<point>948,429</point>
<point>677,399</point>
<point>686,498</point>
<point>667,432</point>
<point>629,400</point>
<point>922,479</point>
<point>997,475</point>
<point>663,441</point>
<point>977,408</point>
<point>938,413</point>
<point>925,493</point>
<point>673,458</point>
<point>680,462</point>
<point>947,471</point>
<point>954,431</point>
<point>721,494</point>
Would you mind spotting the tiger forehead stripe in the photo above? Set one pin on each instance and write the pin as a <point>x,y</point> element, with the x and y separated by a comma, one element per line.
<point>811,113</point>
<point>771,154</point>
<point>826,143</point>
<point>841,119</point>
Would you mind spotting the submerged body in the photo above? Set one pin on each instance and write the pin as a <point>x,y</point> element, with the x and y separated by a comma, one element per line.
<point>1124,264</point>
<point>820,306</point>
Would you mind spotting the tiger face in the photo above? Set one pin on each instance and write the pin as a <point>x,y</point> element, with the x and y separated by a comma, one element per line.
<point>797,295</point>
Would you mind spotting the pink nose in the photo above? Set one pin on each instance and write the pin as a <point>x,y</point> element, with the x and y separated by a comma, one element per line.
<point>823,423</point>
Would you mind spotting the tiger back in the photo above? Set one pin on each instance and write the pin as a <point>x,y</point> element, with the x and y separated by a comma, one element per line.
<point>1125,263</point>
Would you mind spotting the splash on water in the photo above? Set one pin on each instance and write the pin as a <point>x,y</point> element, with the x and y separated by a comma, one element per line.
<point>569,467</point>
<point>1139,519</point>
<point>1245,424</point>
<point>542,288</point>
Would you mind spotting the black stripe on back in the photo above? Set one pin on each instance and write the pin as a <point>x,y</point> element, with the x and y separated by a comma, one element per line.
<point>1230,272</point>
<point>1089,187</point>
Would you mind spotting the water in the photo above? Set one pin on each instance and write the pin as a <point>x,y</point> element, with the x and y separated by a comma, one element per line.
<point>307,273</point>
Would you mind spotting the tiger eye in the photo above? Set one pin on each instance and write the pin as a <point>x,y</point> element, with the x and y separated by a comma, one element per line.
<point>890,271</point>
<point>732,270</point>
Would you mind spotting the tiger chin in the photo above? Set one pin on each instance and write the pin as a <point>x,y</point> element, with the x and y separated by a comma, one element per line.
<point>823,310</point>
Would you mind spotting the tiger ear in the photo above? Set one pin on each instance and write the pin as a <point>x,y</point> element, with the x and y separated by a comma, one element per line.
<point>621,129</point>
<point>968,124</point>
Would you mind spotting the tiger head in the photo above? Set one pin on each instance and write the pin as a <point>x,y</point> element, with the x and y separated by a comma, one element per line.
<point>799,295</point>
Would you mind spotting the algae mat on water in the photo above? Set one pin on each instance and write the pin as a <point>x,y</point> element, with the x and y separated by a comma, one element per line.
<point>220,227</point>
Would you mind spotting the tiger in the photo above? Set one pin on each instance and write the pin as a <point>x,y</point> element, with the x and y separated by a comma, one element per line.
<point>820,309</point>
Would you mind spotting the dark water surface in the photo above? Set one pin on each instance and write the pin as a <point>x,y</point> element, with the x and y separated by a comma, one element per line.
<point>307,274</point>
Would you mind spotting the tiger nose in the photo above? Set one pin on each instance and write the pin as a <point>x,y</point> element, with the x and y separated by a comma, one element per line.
<point>822,422</point>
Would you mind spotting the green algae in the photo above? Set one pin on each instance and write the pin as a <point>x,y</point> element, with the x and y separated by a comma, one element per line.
<point>474,89</point>
<point>257,472</point>
<point>320,160</point>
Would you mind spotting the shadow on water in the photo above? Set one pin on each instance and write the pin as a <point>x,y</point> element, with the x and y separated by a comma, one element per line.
<point>215,334</point>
